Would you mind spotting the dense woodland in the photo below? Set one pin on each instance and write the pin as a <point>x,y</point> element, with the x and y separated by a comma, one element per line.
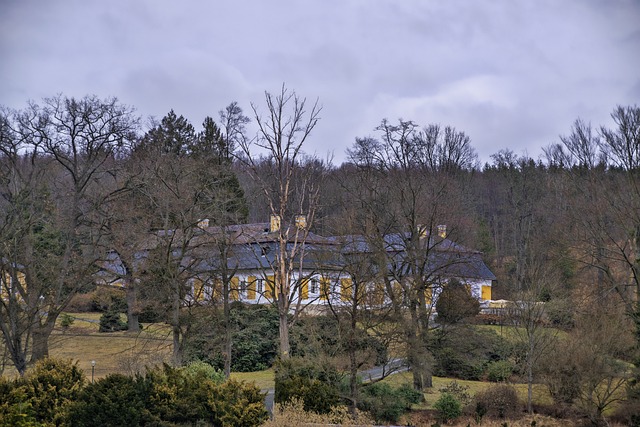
<point>82,177</point>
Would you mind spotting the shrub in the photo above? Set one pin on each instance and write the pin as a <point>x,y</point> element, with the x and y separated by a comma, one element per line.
<point>15,406</point>
<point>455,303</point>
<point>460,392</point>
<point>386,403</point>
<point>203,371</point>
<point>448,407</point>
<point>315,384</point>
<point>451,363</point>
<point>499,401</point>
<point>51,386</point>
<point>499,371</point>
<point>108,298</point>
<point>255,335</point>
<point>463,352</point>
<point>292,413</point>
<point>81,303</point>
<point>66,320</point>
<point>177,397</point>
<point>112,322</point>
<point>237,404</point>
<point>115,400</point>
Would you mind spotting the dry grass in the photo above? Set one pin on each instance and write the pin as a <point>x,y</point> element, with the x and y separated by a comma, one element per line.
<point>116,352</point>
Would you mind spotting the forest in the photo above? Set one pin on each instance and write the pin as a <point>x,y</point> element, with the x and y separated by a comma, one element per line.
<point>82,179</point>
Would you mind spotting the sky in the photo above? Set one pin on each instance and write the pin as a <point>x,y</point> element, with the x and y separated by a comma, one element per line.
<point>511,74</point>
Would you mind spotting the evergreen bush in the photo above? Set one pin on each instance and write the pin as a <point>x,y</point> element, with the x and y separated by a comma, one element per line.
<point>385,403</point>
<point>111,321</point>
<point>448,407</point>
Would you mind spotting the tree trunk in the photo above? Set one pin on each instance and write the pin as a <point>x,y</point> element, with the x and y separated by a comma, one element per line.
<point>175,324</point>
<point>133,324</point>
<point>284,334</point>
<point>227,329</point>
<point>40,340</point>
<point>417,356</point>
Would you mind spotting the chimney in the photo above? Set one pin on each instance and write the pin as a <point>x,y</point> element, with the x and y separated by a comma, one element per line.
<point>301,222</point>
<point>274,224</point>
<point>442,231</point>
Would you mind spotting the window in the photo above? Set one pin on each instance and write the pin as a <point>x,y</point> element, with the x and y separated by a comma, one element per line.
<point>314,286</point>
<point>259,285</point>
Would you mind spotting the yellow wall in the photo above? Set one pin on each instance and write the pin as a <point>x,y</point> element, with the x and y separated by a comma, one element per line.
<point>304,289</point>
<point>486,293</point>
<point>251,287</point>
<point>325,288</point>
<point>345,289</point>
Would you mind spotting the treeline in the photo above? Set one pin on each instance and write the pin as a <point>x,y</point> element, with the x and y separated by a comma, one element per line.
<point>81,180</point>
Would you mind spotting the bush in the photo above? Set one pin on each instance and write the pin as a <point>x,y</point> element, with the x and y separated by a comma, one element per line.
<point>317,385</point>
<point>499,371</point>
<point>448,407</point>
<point>455,303</point>
<point>51,386</point>
<point>177,397</point>
<point>453,364</point>
<point>109,298</point>
<point>385,403</point>
<point>115,400</point>
<point>460,392</point>
<point>81,303</point>
<point>500,401</point>
<point>15,406</point>
<point>66,320</point>
<point>292,413</point>
<point>463,352</point>
<point>203,371</point>
<point>255,338</point>
<point>112,322</point>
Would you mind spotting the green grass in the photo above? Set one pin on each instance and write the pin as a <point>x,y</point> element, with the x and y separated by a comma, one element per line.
<point>540,393</point>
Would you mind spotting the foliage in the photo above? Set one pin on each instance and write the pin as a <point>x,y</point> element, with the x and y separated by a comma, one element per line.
<point>254,336</point>
<point>293,414</point>
<point>201,370</point>
<point>323,336</point>
<point>15,407</point>
<point>111,321</point>
<point>455,303</point>
<point>460,392</point>
<point>451,363</point>
<point>499,370</point>
<point>500,400</point>
<point>316,384</point>
<point>50,387</point>
<point>463,352</point>
<point>116,400</point>
<point>66,320</point>
<point>168,396</point>
<point>448,407</point>
<point>108,298</point>
<point>386,403</point>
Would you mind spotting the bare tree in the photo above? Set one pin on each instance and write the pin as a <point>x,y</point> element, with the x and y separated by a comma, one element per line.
<point>288,190</point>
<point>75,143</point>
<point>408,185</point>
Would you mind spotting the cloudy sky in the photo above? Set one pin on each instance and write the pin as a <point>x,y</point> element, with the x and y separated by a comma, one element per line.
<point>511,74</point>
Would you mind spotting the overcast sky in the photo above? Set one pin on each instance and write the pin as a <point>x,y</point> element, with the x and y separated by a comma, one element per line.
<point>510,74</point>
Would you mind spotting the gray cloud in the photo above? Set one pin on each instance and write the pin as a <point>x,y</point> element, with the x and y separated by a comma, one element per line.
<point>510,74</point>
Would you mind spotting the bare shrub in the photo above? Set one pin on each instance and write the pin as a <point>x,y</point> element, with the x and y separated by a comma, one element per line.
<point>292,414</point>
<point>500,401</point>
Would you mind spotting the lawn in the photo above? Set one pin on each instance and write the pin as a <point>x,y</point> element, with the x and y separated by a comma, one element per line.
<point>127,353</point>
